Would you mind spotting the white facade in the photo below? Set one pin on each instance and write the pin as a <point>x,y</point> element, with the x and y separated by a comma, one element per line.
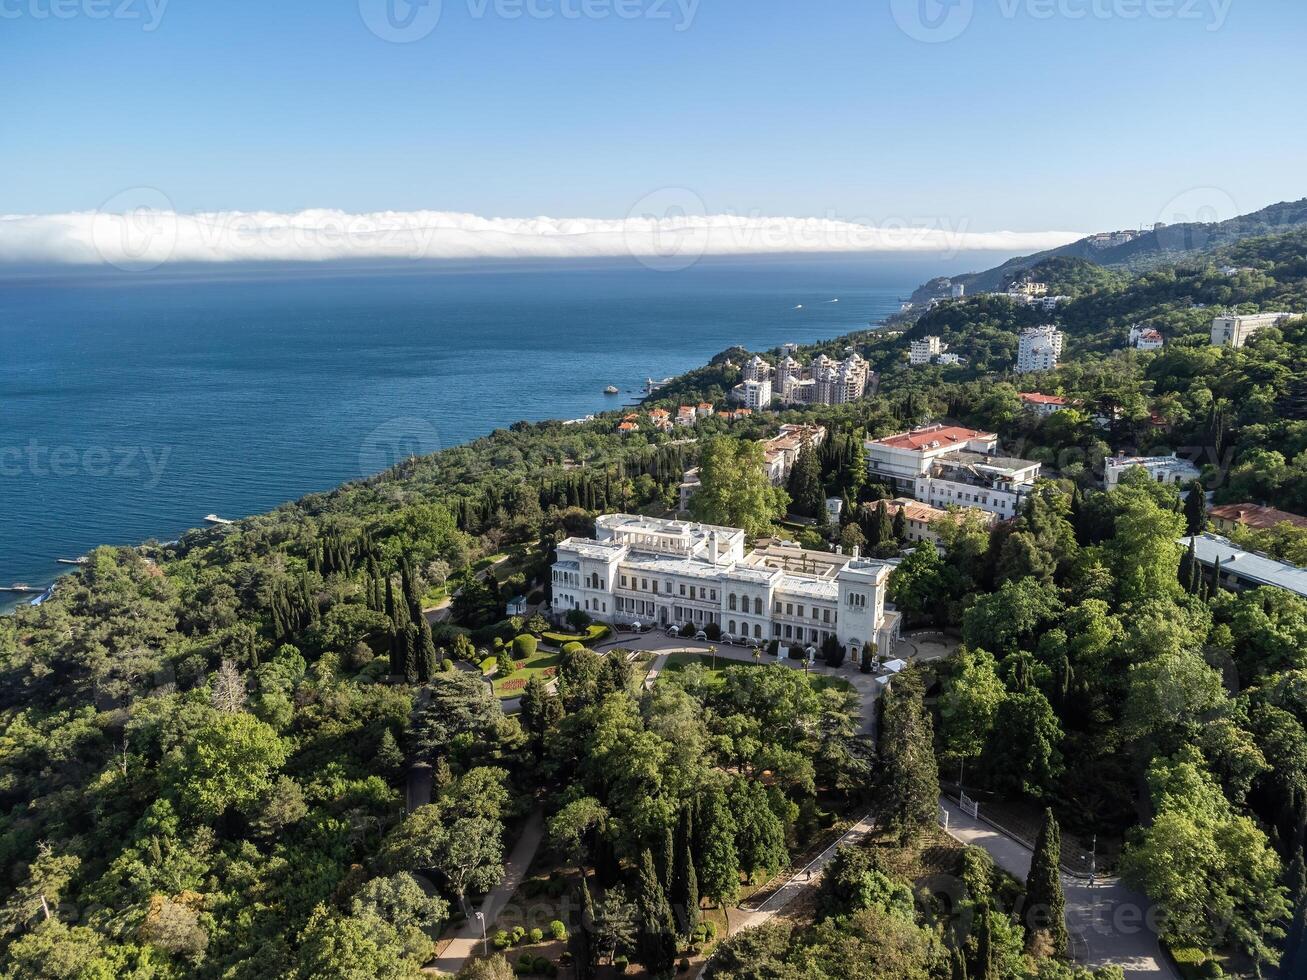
<point>1161,469</point>
<point>753,394</point>
<point>1146,338</point>
<point>756,369</point>
<point>1039,349</point>
<point>676,572</point>
<point>993,484</point>
<point>1234,331</point>
<point>900,459</point>
<point>825,381</point>
<point>925,348</point>
<point>958,290</point>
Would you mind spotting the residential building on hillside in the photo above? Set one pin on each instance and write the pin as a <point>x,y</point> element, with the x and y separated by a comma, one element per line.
<point>677,572</point>
<point>825,381</point>
<point>1228,516</point>
<point>753,394</point>
<point>946,360</point>
<point>996,484</point>
<point>899,459</point>
<point>1043,405</point>
<point>1235,331</point>
<point>923,349</point>
<point>957,290</point>
<point>757,369</point>
<point>1029,288</point>
<point>1242,569</point>
<point>1146,338</point>
<point>1161,469</point>
<point>1039,349</point>
<point>919,519</point>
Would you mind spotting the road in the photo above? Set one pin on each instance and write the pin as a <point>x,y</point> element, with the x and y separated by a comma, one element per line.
<point>467,940</point>
<point>1106,920</point>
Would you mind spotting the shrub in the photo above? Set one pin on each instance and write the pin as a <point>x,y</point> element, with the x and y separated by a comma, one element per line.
<point>525,964</point>
<point>683,966</point>
<point>524,646</point>
<point>542,966</point>
<point>504,663</point>
<point>518,933</point>
<point>501,940</point>
<point>565,958</point>
<point>713,632</point>
<point>709,930</point>
<point>620,963</point>
<point>537,935</point>
<point>557,929</point>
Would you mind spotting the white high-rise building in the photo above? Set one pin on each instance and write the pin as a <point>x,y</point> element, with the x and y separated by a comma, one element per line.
<point>1039,349</point>
<point>680,573</point>
<point>757,369</point>
<point>924,349</point>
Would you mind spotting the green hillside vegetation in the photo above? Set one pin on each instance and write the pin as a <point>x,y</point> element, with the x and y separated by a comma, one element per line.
<point>205,746</point>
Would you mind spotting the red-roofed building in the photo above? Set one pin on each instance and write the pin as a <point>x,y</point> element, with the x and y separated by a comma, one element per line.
<point>901,458</point>
<point>1253,516</point>
<point>1043,405</point>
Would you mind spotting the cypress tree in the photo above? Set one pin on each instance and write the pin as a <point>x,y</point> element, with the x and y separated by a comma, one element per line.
<point>884,526</point>
<point>984,945</point>
<point>410,653</point>
<point>1045,904</point>
<point>666,856</point>
<point>1195,509</point>
<point>909,774</point>
<point>427,658</point>
<point>685,880</point>
<point>1189,568</point>
<point>583,938</point>
<point>657,938</point>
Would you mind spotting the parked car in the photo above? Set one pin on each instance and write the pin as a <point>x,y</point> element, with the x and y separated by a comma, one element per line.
<point>673,631</point>
<point>728,639</point>
<point>701,636</point>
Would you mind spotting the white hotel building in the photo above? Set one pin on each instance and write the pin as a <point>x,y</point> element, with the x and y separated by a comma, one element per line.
<point>676,572</point>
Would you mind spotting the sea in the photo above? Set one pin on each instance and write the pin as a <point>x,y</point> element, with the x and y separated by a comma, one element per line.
<point>132,405</point>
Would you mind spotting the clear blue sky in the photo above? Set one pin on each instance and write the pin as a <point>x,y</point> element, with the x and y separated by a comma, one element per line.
<point>783,107</point>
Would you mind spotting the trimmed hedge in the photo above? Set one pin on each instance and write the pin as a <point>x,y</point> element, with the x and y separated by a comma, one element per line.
<point>594,634</point>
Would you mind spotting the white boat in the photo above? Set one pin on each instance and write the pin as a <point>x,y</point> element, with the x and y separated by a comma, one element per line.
<point>612,390</point>
<point>215,519</point>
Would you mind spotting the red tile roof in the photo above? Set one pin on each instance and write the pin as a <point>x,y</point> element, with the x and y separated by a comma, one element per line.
<point>1254,515</point>
<point>1035,398</point>
<point>932,437</point>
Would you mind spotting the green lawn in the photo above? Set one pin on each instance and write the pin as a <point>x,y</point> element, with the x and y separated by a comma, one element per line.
<point>679,661</point>
<point>545,662</point>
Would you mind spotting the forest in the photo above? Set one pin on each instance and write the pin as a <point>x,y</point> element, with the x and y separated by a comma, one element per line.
<point>206,747</point>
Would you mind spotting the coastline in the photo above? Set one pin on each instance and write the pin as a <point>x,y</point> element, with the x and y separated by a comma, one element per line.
<point>853,316</point>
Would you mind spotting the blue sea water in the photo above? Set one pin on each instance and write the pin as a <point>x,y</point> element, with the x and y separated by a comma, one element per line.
<point>133,405</point>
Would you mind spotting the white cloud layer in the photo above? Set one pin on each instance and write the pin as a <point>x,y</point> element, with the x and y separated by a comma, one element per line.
<point>667,230</point>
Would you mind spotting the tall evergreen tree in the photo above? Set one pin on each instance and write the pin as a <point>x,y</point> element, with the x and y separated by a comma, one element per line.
<point>909,774</point>
<point>584,953</point>
<point>1195,509</point>
<point>1045,904</point>
<point>806,493</point>
<point>657,938</point>
<point>685,879</point>
<point>719,863</point>
<point>884,526</point>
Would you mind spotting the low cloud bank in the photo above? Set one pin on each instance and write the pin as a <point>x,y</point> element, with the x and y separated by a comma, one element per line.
<point>666,233</point>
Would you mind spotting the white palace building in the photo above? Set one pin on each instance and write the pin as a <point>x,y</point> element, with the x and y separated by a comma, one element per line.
<point>667,573</point>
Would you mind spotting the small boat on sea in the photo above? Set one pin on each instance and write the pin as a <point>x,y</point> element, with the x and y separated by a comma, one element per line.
<point>612,390</point>
<point>19,587</point>
<point>215,519</point>
<point>80,560</point>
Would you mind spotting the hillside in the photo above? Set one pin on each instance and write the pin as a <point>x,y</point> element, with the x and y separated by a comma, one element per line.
<point>1172,243</point>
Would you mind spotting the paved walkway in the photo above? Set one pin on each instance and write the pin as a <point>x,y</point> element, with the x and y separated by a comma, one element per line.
<point>467,940</point>
<point>1106,920</point>
<point>803,879</point>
